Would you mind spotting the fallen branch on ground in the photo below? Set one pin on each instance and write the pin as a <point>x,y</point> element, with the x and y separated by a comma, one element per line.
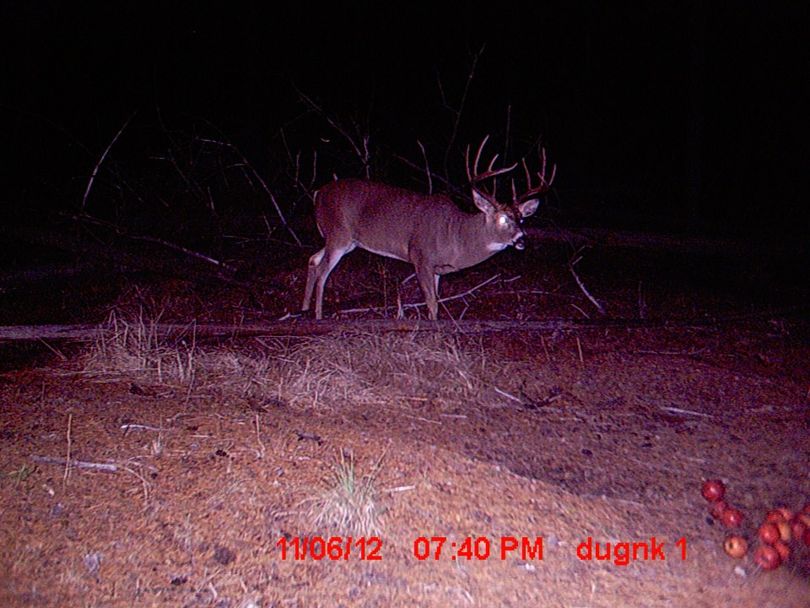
<point>298,326</point>
<point>79,464</point>
<point>458,296</point>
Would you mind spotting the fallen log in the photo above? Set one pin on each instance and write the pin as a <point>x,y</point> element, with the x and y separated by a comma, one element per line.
<point>308,327</point>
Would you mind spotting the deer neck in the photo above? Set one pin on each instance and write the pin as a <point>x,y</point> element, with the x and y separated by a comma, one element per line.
<point>468,242</point>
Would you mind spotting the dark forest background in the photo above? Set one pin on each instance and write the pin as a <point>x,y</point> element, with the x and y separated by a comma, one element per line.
<point>684,117</point>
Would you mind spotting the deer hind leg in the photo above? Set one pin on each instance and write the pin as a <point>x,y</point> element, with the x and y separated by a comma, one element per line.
<point>312,270</point>
<point>320,266</point>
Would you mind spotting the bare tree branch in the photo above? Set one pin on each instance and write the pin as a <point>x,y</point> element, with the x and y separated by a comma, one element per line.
<point>460,110</point>
<point>259,179</point>
<point>101,160</point>
<point>584,289</point>
<point>360,147</point>
<point>427,167</point>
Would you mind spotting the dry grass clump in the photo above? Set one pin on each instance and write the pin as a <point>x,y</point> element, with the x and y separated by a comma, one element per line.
<point>321,371</point>
<point>371,368</point>
<point>132,346</point>
<point>349,505</point>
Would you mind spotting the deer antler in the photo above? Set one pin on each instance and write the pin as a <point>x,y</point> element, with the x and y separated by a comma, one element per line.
<point>544,184</point>
<point>476,177</point>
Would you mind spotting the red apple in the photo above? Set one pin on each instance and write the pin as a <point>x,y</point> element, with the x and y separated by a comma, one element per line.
<point>784,531</point>
<point>783,550</point>
<point>787,514</point>
<point>732,517</point>
<point>767,557</point>
<point>775,516</point>
<point>736,546</point>
<point>797,528</point>
<point>713,490</point>
<point>768,533</point>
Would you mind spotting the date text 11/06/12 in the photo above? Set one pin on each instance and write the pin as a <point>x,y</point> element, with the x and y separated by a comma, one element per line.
<point>316,548</point>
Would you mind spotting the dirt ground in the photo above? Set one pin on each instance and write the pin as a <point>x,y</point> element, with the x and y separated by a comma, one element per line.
<point>222,453</point>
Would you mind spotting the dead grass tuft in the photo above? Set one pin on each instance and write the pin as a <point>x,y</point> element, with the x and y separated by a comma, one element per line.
<point>132,346</point>
<point>373,368</point>
<point>321,372</point>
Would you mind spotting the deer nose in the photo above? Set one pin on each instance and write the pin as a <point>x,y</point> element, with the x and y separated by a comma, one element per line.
<point>519,241</point>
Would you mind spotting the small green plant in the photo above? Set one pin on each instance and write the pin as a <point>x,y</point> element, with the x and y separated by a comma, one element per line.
<point>21,474</point>
<point>349,506</point>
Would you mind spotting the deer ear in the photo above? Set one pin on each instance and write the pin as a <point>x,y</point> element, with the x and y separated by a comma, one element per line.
<point>527,208</point>
<point>483,203</point>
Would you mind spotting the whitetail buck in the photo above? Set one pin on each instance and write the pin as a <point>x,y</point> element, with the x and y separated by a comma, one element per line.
<point>429,231</point>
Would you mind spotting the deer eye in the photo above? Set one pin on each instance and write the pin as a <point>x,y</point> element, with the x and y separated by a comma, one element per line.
<point>502,220</point>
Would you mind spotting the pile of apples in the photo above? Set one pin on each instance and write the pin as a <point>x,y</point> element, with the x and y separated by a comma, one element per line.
<point>779,528</point>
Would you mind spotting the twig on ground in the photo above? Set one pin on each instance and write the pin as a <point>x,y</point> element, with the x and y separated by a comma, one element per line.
<point>545,348</point>
<point>469,292</point>
<point>144,483</point>
<point>677,410</point>
<point>67,458</point>
<point>673,353</point>
<point>79,464</point>
<point>139,427</point>
<point>56,352</point>
<point>400,489</point>
<point>584,289</point>
<point>505,394</point>
<point>262,448</point>
<point>421,419</point>
<point>582,312</point>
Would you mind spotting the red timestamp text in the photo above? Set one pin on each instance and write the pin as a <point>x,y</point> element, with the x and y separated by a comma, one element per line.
<point>334,548</point>
<point>478,548</point>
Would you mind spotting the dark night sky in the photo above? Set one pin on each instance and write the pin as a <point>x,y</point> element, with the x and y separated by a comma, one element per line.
<point>616,89</point>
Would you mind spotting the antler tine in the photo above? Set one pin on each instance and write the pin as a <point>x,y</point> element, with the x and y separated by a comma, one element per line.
<point>542,160</point>
<point>492,162</point>
<point>526,171</point>
<point>542,173</point>
<point>473,175</point>
<point>553,174</point>
<point>478,153</point>
<point>544,184</point>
